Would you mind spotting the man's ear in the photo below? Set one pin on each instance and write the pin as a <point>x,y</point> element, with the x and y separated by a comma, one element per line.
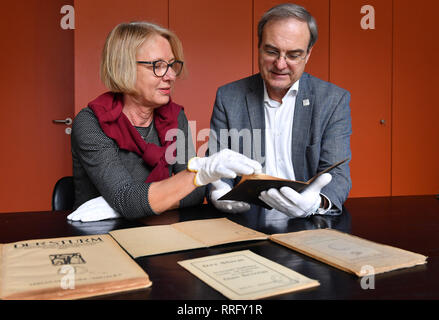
<point>308,55</point>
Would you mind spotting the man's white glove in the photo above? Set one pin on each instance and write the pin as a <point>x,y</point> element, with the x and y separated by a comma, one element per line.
<point>294,204</point>
<point>224,164</point>
<point>93,210</point>
<point>220,188</point>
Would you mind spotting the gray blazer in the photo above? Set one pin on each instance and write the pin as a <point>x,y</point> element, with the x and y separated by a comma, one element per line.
<point>321,129</point>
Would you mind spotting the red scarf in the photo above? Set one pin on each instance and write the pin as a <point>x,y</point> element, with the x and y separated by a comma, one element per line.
<point>108,109</point>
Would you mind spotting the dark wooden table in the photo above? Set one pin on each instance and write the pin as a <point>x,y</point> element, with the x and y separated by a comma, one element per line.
<point>410,223</point>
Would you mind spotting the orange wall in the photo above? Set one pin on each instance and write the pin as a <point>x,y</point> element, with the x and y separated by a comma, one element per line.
<point>415,148</point>
<point>36,63</point>
<point>217,37</point>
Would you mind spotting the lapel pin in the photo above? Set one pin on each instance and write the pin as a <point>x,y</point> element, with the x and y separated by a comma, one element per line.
<point>306,102</point>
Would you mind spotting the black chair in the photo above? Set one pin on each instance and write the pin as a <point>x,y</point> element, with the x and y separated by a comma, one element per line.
<point>63,196</point>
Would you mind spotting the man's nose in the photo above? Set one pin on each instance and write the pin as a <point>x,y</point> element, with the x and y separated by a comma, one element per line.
<point>281,62</point>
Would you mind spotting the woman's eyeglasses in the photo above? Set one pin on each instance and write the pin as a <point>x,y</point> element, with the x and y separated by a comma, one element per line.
<point>160,67</point>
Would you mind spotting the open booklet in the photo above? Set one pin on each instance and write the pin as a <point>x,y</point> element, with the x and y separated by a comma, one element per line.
<point>67,268</point>
<point>251,186</point>
<point>347,252</point>
<point>195,234</point>
<point>341,250</point>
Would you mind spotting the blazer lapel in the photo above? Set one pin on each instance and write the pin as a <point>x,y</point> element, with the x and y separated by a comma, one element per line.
<point>255,108</point>
<point>301,126</point>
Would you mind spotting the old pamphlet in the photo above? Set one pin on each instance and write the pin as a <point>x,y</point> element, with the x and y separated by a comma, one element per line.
<point>144,241</point>
<point>348,252</point>
<point>245,275</point>
<point>67,268</point>
<point>251,186</point>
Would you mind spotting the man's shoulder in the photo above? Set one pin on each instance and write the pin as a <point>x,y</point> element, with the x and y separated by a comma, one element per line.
<point>244,84</point>
<point>319,86</point>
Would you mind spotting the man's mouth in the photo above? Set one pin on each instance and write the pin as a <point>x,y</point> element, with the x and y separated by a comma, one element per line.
<point>279,74</point>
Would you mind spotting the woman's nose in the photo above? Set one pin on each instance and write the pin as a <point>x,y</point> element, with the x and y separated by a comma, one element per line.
<point>170,75</point>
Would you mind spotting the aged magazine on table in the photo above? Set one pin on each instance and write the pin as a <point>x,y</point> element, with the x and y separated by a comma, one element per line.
<point>347,252</point>
<point>67,268</point>
<point>245,275</point>
<point>144,241</point>
<point>250,186</point>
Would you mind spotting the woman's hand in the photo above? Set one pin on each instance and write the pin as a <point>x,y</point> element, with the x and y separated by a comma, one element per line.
<point>93,210</point>
<point>224,164</point>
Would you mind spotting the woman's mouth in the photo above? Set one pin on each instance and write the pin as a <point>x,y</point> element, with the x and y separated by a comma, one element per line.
<point>165,91</point>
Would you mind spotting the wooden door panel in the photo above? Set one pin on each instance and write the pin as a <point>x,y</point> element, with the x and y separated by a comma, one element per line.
<point>360,62</point>
<point>415,148</point>
<point>36,64</point>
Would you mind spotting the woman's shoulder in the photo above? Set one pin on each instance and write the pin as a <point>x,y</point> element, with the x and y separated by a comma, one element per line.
<point>86,120</point>
<point>86,115</point>
<point>86,127</point>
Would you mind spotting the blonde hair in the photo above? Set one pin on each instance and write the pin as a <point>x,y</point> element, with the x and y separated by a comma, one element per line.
<point>118,61</point>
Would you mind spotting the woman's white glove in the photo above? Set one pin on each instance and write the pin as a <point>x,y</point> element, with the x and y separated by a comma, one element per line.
<point>294,204</point>
<point>220,188</point>
<point>224,164</point>
<point>93,210</point>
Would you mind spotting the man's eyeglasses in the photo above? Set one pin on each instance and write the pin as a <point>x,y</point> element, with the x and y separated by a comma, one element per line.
<point>160,67</point>
<point>294,57</point>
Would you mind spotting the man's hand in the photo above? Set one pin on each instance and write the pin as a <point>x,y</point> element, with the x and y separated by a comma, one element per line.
<point>93,210</point>
<point>224,164</point>
<point>220,188</point>
<point>294,204</point>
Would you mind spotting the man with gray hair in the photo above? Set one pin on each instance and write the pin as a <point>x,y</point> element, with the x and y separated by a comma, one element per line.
<point>304,122</point>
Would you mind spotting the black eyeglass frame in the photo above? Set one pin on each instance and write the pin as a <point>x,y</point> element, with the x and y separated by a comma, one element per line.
<point>167,67</point>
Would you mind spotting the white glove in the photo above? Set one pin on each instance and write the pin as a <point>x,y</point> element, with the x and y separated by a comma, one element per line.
<point>294,204</point>
<point>93,210</point>
<point>224,164</point>
<point>219,189</point>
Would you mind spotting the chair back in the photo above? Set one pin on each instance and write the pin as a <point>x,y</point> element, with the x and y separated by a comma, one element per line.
<point>63,196</point>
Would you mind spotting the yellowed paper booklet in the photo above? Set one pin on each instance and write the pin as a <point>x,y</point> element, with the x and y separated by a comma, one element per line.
<point>145,241</point>
<point>347,252</point>
<point>244,275</point>
<point>67,268</point>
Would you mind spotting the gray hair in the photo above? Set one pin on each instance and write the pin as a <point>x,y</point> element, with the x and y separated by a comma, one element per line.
<point>285,11</point>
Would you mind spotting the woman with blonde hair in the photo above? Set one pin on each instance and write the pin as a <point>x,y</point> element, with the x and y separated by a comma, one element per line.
<point>123,158</point>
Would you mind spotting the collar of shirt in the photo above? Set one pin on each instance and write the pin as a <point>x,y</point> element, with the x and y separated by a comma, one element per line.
<point>292,92</point>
